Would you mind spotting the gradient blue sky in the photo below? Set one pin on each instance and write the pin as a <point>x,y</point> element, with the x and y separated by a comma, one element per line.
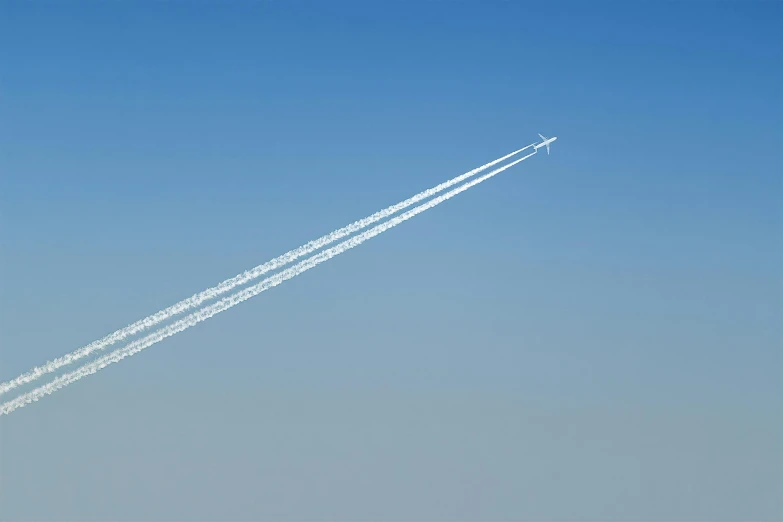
<point>594,334</point>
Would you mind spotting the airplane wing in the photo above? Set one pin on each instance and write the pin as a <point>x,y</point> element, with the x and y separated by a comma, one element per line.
<point>542,137</point>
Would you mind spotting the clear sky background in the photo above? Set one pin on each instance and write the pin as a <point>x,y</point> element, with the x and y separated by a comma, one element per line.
<point>593,335</point>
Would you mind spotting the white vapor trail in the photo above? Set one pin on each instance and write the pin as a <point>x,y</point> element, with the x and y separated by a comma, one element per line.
<point>236,298</point>
<point>238,280</point>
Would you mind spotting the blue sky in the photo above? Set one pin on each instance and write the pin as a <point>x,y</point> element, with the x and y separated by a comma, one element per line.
<point>593,334</point>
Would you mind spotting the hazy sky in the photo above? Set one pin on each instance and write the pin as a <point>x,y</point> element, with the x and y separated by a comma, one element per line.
<point>593,335</point>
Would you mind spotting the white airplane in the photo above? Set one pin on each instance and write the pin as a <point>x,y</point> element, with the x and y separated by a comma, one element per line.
<point>546,142</point>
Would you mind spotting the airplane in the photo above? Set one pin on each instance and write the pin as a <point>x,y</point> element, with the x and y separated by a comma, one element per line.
<point>546,142</point>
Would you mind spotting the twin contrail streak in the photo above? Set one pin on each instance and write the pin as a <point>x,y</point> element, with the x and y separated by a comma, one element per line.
<point>238,280</point>
<point>236,298</point>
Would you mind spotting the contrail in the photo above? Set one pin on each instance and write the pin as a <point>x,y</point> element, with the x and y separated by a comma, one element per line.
<point>234,299</point>
<point>238,280</point>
